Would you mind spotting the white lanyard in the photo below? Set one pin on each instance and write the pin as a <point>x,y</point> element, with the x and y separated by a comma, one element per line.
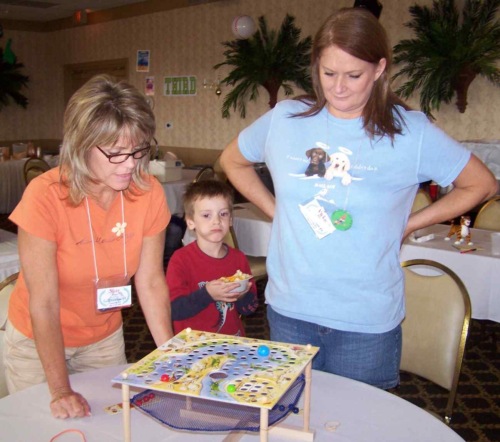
<point>93,244</point>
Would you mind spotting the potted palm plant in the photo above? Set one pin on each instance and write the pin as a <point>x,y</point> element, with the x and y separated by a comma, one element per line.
<point>269,59</point>
<point>449,51</point>
<point>11,79</point>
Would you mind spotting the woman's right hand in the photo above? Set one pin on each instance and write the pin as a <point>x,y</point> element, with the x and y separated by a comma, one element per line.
<point>69,403</point>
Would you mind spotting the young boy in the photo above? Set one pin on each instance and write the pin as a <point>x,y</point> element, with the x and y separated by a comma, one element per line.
<point>200,300</point>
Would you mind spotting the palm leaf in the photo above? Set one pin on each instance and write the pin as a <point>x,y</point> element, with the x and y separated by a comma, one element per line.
<point>11,83</point>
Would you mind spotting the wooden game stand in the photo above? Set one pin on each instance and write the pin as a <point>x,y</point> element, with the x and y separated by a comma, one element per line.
<point>288,431</point>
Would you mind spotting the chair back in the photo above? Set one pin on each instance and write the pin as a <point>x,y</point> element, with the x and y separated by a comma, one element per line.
<point>257,263</point>
<point>422,199</point>
<point>219,171</point>
<point>436,325</point>
<point>488,217</point>
<point>230,238</point>
<point>34,167</point>
<point>6,287</point>
<point>207,173</point>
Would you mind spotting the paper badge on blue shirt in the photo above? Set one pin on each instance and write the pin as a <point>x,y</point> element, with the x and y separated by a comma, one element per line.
<point>318,212</point>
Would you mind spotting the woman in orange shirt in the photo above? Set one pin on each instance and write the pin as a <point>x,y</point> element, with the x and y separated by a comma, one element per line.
<point>85,228</point>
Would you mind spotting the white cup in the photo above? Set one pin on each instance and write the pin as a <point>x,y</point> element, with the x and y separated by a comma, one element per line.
<point>495,243</point>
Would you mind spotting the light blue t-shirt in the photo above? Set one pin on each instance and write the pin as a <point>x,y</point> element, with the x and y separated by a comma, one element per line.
<point>351,279</point>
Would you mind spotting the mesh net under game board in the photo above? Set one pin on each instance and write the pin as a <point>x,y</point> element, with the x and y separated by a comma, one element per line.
<point>196,414</point>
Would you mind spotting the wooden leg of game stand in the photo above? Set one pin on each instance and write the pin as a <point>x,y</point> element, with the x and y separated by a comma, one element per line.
<point>295,432</point>
<point>126,412</point>
<point>307,396</point>
<point>264,422</point>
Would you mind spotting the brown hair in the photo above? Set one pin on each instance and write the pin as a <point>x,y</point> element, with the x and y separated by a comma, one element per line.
<point>98,113</point>
<point>357,32</point>
<point>206,189</point>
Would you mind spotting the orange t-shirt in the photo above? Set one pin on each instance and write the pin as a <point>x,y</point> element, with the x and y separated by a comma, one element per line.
<point>44,211</point>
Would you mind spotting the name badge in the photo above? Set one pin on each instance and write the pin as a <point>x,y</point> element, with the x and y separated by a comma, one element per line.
<point>318,218</point>
<point>113,293</point>
<point>114,297</point>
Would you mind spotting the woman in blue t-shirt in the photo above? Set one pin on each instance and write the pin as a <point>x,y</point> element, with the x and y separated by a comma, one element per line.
<point>346,164</point>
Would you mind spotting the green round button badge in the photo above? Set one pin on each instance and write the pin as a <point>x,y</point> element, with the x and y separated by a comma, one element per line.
<point>342,220</point>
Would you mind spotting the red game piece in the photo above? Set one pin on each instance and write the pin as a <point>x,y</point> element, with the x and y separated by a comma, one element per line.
<point>165,378</point>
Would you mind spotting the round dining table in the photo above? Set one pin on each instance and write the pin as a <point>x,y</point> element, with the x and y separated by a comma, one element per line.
<point>341,410</point>
<point>9,255</point>
<point>12,184</point>
<point>174,191</point>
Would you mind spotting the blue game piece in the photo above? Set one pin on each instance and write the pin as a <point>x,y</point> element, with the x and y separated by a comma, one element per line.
<point>263,350</point>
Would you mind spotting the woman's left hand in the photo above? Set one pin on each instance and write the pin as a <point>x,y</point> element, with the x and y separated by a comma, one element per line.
<point>69,404</point>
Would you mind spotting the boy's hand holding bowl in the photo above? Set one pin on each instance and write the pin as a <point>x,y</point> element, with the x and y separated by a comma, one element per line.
<point>242,279</point>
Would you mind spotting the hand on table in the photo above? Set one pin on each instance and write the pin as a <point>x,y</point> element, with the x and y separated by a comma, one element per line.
<point>69,404</point>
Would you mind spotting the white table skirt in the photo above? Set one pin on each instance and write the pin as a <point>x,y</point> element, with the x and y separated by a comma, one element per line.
<point>355,412</point>
<point>174,191</point>
<point>252,228</point>
<point>479,270</point>
<point>488,151</point>
<point>9,255</point>
<point>12,184</point>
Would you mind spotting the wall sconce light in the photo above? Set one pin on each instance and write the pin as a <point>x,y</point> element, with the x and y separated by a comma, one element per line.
<point>213,84</point>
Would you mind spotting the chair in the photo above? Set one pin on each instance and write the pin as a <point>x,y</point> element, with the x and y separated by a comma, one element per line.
<point>438,312</point>
<point>6,287</point>
<point>207,173</point>
<point>422,199</point>
<point>257,263</point>
<point>34,167</point>
<point>488,217</point>
<point>219,171</point>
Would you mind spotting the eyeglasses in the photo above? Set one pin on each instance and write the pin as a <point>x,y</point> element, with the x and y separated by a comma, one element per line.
<point>117,158</point>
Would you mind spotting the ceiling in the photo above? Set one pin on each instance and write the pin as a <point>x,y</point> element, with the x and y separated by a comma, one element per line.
<point>47,10</point>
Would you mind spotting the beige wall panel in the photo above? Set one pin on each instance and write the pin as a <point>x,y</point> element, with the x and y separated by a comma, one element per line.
<point>187,41</point>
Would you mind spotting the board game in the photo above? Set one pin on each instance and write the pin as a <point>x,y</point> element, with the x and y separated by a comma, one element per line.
<point>226,369</point>
<point>221,368</point>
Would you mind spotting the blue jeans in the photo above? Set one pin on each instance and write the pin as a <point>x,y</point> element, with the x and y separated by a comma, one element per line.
<point>373,358</point>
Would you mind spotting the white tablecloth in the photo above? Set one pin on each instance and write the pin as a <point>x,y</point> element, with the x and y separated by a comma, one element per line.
<point>12,184</point>
<point>356,412</point>
<point>174,191</point>
<point>479,270</point>
<point>9,256</point>
<point>488,151</point>
<point>252,228</point>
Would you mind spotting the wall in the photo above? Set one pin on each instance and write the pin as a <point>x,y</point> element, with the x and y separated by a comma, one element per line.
<point>187,41</point>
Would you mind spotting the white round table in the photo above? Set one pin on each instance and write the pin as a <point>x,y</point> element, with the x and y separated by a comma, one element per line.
<point>342,410</point>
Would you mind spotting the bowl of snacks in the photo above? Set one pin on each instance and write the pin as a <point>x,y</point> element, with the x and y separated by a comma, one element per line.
<point>241,278</point>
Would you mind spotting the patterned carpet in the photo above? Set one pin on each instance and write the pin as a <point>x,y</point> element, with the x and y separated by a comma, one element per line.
<point>477,409</point>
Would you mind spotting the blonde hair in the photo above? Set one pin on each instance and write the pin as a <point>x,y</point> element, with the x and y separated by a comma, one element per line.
<point>358,32</point>
<point>97,114</point>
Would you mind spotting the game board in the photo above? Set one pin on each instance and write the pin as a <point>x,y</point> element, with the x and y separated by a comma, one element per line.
<point>222,368</point>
